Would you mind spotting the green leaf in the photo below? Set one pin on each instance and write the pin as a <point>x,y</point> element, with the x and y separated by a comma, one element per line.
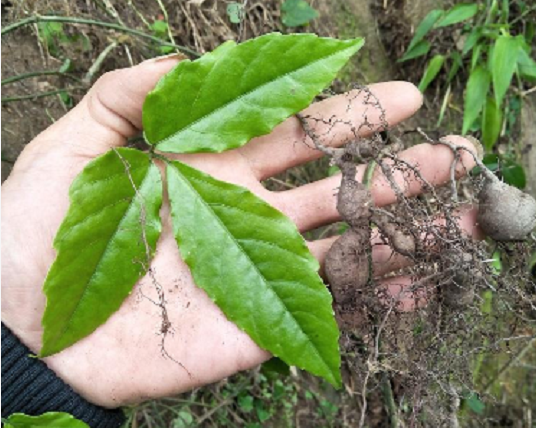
<point>296,13</point>
<point>48,420</point>
<point>491,123</point>
<point>333,170</point>
<point>526,65</point>
<point>52,35</point>
<point>458,13</point>
<point>491,160</point>
<point>475,404</point>
<point>471,40</point>
<point>238,92</point>
<point>513,173</point>
<point>245,403</point>
<point>160,29</point>
<point>475,57</point>
<point>505,11</point>
<point>104,245</point>
<point>66,66</point>
<point>234,12</point>
<point>262,413</point>
<point>424,27</point>
<point>475,97</point>
<point>530,32</point>
<point>432,69</point>
<point>456,64</point>
<point>420,49</point>
<point>184,420</point>
<point>252,261</point>
<point>275,366</point>
<point>503,64</point>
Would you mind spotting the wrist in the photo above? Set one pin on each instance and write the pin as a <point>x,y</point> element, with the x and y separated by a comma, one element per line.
<point>30,387</point>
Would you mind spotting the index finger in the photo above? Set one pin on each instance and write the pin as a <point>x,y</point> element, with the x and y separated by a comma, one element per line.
<point>335,120</point>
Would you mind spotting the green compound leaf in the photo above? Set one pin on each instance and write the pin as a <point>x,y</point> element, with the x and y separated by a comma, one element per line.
<point>254,264</point>
<point>104,245</point>
<point>475,97</point>
<point>46,420</point>
<point>297,12</point>
<point>237,92</point>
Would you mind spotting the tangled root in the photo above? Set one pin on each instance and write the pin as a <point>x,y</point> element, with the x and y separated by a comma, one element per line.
<point>426,354</point>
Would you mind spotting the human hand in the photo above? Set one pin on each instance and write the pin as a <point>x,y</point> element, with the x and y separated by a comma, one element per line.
<point>121,362</point>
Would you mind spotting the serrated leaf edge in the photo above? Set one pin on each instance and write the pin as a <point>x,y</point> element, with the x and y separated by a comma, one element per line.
<point>310,259</point>
<point>358,43</point>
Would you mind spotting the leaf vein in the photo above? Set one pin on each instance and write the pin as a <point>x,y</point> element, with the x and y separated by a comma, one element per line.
<point>93,214</point>
<point>102,180</point>
<point>266,281</point>
<point>102,257</point>
<point>273,245</point>
<point>239,99</point>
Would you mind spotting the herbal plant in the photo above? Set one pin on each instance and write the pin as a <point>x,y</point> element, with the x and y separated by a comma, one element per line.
<point>295,13</point>
<point>50,419</point>
<point>248,257</point>
<point>493,50</point>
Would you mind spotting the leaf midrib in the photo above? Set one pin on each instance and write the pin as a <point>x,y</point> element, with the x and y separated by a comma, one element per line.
<point>101,258</point>
<point>266,282</point>
<point>247,94</point>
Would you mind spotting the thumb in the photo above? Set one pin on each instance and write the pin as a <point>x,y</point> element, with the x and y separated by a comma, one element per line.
<point>111,111</point>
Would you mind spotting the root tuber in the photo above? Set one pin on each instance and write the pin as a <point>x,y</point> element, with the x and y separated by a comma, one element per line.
<point>505,213</point>
<point>460,291</point>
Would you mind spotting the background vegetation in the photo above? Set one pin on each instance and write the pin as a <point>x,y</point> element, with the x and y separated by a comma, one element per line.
<point>474,63</point>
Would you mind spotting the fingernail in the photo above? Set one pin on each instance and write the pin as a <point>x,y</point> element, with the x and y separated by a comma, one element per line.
<point>478,146</point>
<point>179,56</point>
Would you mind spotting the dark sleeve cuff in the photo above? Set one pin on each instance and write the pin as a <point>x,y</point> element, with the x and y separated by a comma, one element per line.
<point>30,387</point>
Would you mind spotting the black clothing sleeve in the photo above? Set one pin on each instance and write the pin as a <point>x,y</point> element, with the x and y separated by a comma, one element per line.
<point>30,387</point>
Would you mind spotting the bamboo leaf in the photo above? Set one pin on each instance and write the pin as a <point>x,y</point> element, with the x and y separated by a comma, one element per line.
<point>424,27</point>
<point>252,261</point>
<point>471,40</point>
<point>475,57</point>
<point>503,65</point>
<point>458,13</point>
<point>238,92</point>
<point>457,62</point>
<point>431,71</point>
<point>104,245</point>
<point>526,65</point>
<point>420,49</point>
<point>475,96</point>
<point>491,123</point>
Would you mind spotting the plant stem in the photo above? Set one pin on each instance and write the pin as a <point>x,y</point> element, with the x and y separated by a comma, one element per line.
<point>23,76</point>
<point>95,67</point>
<point>510,362</point>
<point>389,400</point>
<point>369,172</point>
<point>74,20</point>
<point>41,95</point>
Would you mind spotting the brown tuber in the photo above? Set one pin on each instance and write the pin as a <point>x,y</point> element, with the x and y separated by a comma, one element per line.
<point>505,213</point>
<point>460,290</point>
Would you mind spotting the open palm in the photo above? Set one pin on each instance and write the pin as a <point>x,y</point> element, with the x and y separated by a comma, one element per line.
<point>122,361</point>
